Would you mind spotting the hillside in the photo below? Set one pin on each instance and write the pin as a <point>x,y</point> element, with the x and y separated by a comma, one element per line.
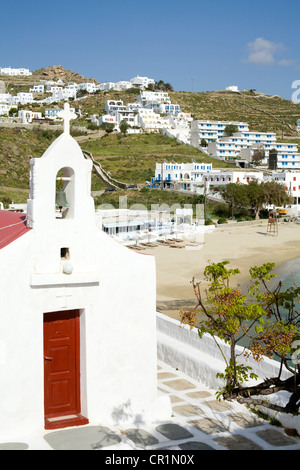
<point>15,84</point>
<point>56,72</point>
<point>263,113</point>
<point>132,158</point>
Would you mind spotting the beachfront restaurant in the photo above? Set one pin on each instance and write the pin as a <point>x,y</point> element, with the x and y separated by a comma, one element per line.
<point>117,228</point>
<point>134,224</point>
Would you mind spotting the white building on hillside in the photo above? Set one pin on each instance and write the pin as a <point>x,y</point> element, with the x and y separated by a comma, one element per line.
<point>291,182</point>
<point>106,86</point>
<point>52,113</point>
<point>105,118</point>
<point>89,87</point>
<point>287,157</point>
<point>51,83</point>
<point>229,148</point>
<point>232,88</point>
<point>14,71</point>
<point>4,109</point>
<point>141,82</point>
<point>5,98</point>
<point>190,176</point>
<point>37,89</point>
<point>61,93</point>
<point>194,176</point>
<point>153,97</point>
<point>27,116</point>
<point>112,106</point>
<point>212,130</point>
<point>22,98</point>
<point>171,173</point>
<point>151,121</point>
<point>70,91</point>
<point>122,85</point>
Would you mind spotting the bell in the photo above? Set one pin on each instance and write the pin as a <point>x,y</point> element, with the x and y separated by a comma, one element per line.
<point>61,200</point>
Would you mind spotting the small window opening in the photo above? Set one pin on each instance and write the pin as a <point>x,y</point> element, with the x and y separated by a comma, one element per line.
<point>65,253</point>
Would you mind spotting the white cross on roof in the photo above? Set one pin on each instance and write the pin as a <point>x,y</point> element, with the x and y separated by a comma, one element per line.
<point>67,115</point>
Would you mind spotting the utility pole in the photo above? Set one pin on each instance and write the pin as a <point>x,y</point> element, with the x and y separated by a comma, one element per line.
<point>204,201</point>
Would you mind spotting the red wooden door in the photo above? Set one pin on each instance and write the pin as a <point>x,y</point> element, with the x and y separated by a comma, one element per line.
<point>61,368</point>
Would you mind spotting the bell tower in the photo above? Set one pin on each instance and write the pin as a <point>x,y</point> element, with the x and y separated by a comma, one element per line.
<point>60,209</point>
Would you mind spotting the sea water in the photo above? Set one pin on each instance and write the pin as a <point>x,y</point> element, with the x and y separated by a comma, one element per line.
<point>289,275</point>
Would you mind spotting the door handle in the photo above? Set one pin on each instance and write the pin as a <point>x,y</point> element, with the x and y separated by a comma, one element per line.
<point>48,358</point>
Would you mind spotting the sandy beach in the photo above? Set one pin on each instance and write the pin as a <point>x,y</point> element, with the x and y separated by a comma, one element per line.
<point>242,245</point>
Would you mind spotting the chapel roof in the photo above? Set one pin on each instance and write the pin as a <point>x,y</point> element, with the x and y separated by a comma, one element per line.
<point>12,226</point>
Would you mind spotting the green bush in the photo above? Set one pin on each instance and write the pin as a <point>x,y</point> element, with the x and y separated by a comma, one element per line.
<point>222,220</point>
<point>209,222</point>
<point>221,209</point>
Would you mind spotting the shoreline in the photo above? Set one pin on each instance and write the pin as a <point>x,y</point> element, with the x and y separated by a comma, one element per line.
<point>243,246</point>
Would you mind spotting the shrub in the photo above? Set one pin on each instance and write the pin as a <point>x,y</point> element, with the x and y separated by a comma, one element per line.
<point>222,220</point>
<point>221,209</point>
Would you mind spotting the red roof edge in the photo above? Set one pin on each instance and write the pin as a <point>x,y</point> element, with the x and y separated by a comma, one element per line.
<point>12,226</point>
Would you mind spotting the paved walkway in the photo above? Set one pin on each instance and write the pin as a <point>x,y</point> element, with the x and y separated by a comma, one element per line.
<point>198,422</point>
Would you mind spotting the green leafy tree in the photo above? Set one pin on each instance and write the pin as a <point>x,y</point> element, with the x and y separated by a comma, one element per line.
<point>12,111</point>
<point>161,85</point>
<point>276,194</point>
<point>124,126</point>
<point>254,195</point>
<point>269,319</point>
<point>258,156</point>
<point>108,127</point>
<point>236,197</point>
<point>230,129</point>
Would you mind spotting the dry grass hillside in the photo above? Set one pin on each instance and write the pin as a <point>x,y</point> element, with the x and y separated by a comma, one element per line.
<point>262,112</point>
<point>56,72</point>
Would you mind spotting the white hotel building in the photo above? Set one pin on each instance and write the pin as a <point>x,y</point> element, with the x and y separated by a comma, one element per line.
<point>243,144</point>
<point>228,148</point>
<point>188,176</point>
<point>212,130</point>
<point>180,175</point>
<point>194,176</point>
<point>288,157</point>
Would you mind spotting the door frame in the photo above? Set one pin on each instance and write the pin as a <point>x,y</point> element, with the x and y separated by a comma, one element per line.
<point>55,421</point>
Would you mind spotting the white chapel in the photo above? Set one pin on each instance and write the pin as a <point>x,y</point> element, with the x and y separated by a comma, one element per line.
<point>77,310</point>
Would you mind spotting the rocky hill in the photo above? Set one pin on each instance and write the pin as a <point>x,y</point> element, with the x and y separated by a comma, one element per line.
<point>56,72</point>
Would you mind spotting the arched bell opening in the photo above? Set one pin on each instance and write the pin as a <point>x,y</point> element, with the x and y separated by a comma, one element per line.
<point>65,193</point>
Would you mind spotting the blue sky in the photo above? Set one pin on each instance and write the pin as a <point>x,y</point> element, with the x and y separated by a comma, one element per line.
<point>195,45</point>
